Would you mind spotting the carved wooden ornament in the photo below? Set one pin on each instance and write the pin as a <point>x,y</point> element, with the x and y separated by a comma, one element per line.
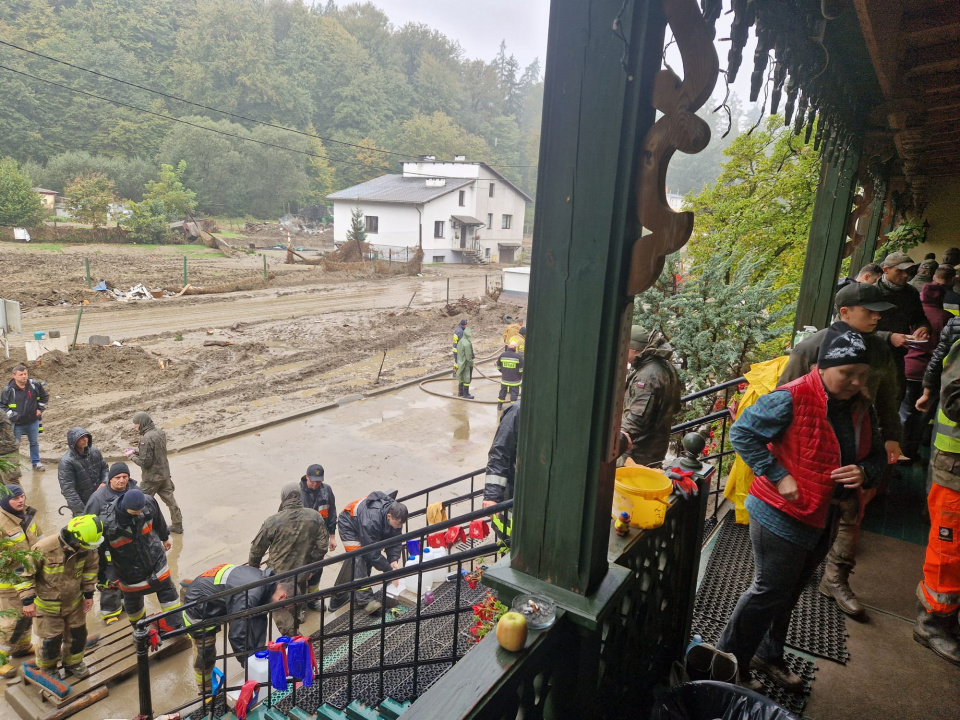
<point>678,129</point>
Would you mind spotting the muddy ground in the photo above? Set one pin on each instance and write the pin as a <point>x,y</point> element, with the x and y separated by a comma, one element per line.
<point>272,367</point>
<point>42,277</point>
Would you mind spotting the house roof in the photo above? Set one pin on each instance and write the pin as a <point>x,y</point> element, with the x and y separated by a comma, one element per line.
<point>467,220</point>
<point>398,189</point>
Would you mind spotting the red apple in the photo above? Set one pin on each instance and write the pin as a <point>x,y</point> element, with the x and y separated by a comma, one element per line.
<point>512,631</point>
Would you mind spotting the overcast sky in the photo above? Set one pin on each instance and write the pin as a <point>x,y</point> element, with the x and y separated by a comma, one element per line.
<point>480,26</point>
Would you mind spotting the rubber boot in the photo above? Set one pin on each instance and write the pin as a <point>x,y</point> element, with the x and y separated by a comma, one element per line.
<point>836,584</point>
<point>459,389</point>
<point>939,633</point>
<point>466,392</point>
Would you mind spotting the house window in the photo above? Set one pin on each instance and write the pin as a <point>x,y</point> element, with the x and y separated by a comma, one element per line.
<point>438,229</point>
<point>373,223</point>
<point>463,198</point>
<point>438,258</point>
<point>505,221</point>
<point>489,221</point>
<point>486,252</point>
<point>492,187</point>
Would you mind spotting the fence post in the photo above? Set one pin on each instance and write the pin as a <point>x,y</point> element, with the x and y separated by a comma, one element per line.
<point>264,266</point>
<point>86,262</point>
<point>486,286</point>
<point>185,271</point>
<point>142,637</point>
<point>448,291</point>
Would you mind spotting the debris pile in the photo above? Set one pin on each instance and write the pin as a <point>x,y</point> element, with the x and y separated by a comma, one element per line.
<point>463,305</point>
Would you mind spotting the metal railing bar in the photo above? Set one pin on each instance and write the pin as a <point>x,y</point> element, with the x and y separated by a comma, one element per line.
<point>712,390</point>
<point>405,571</point>
<point>366,549</point>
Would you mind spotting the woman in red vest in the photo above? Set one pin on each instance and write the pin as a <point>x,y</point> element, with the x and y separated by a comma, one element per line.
<point>809,443</point>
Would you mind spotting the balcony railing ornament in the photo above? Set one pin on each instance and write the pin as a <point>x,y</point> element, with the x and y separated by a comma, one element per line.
<point>678,129</point>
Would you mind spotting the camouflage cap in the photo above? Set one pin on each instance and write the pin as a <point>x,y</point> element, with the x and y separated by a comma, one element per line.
<point>639,337</point>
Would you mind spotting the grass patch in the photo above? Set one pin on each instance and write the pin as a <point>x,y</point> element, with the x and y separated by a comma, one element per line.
<point>49,247</point>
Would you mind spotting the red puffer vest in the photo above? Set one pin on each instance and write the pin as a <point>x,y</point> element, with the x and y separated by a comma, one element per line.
<point>809,450</point>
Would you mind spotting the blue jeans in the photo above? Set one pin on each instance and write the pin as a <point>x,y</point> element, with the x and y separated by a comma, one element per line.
<point>33,435</point>
<point>759,623</point>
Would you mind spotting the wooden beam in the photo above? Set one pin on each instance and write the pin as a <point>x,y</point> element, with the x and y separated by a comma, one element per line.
<point>821,267</point>
<point>930,18</point>
<point>932,36</point>
<point>930,60</point>
<point>595,116</point>
<point>940,84</point>
<point>879,21</point>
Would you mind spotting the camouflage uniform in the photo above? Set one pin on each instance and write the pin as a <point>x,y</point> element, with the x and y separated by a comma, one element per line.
<point>8,451</point>
<point>652,399</point>
<point>57,583</point>
<point>16,533</point>
<point>295,536</point>
<point>151,456</point>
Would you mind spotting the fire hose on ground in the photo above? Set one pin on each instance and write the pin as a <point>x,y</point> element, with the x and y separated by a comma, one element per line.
<point>495,378</point>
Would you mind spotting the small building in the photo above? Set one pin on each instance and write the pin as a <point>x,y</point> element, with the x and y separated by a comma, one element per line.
<point>457,211</point>
<point>47,197</point>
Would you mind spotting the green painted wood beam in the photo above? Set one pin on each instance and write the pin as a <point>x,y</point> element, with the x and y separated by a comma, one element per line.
<point>865,252</point>
<point>595,115</point>
<point>828,234</point>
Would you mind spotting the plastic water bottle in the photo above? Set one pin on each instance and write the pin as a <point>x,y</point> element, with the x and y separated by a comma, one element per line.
<point>258,667</point>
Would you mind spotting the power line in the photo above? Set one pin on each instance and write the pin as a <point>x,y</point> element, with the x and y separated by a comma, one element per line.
<point>216,110</point>
<point>223,132</point>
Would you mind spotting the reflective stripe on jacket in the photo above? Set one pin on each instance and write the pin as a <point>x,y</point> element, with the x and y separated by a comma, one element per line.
<point>60,576</point>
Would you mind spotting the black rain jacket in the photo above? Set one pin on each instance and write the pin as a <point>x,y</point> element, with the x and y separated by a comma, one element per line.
<point>80,473</point>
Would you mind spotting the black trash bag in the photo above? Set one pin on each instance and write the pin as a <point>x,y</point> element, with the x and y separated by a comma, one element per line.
<point>709,700</point>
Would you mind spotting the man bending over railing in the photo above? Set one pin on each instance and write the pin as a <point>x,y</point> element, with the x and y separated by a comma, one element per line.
<point>246,634</point>
<point>364,522</point>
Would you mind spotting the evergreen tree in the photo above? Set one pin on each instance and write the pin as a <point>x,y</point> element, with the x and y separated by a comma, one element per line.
<point>717,316</point>
<point>358,229</point>
<point>20,205</point>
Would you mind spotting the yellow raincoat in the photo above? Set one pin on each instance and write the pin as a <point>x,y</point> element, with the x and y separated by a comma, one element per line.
<point>761,379</point>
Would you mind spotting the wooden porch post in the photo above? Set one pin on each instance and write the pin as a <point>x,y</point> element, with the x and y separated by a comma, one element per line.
<point>596,113</point>
<point>828,229</point>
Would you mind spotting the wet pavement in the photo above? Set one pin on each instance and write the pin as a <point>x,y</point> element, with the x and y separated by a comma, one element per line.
<point>403,440</point>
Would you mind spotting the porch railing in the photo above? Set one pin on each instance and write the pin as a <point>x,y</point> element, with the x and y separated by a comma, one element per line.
<point>359,626</point>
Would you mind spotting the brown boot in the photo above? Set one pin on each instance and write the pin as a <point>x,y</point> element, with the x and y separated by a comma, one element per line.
<point>779,674</point>
<point>939,633</point>
<point>836,584</point>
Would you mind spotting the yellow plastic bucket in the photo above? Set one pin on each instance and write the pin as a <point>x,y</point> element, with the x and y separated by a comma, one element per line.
<point>642,493</point>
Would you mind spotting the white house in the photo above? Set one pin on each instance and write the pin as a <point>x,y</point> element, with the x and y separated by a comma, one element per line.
<point>458,212</point>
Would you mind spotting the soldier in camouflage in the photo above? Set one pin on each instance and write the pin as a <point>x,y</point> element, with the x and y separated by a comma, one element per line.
<point>151,456</point>
<point>652,397</point>
<point>295,536</point>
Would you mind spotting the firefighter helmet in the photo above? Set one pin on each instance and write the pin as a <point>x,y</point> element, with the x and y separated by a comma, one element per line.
<point>87,530</point>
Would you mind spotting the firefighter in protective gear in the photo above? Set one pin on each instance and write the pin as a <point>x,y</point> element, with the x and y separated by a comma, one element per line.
<point>246,634</point>
<point>295,536</point>
<point>465,364</point>
<point>137,534</point>
<point>457,334</point>
<point>9,452</point>
<point>511,331</point>
<point>317,495</point>
<point>151,456</point>
<point>652,398</point>
<point>372,519</point>
<point>57,589</point>
<point>502,470</point>
<point>111,599</point>
<point>510,364</point>
<point>939,591</point>
<point>18,531</point>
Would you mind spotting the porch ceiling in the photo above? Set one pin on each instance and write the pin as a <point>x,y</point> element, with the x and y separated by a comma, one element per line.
<point>914,47</point>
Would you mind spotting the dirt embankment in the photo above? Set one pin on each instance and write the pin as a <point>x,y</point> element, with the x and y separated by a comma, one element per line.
<point>268,370</point>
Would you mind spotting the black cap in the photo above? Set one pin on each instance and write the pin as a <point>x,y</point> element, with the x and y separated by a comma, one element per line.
<point>865,294</point>
<point>842,345</point>
<point>315,472</point>
<point>117,468</point>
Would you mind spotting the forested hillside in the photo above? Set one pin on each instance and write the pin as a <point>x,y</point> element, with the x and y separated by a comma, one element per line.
<point>253,70</point>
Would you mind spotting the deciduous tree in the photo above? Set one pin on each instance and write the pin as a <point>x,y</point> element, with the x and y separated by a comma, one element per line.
<point>20,205</point>
<point>89,198</point>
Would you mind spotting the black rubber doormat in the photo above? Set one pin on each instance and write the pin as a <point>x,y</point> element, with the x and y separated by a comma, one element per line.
<point>817,626</point>
<point>710,631</point>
